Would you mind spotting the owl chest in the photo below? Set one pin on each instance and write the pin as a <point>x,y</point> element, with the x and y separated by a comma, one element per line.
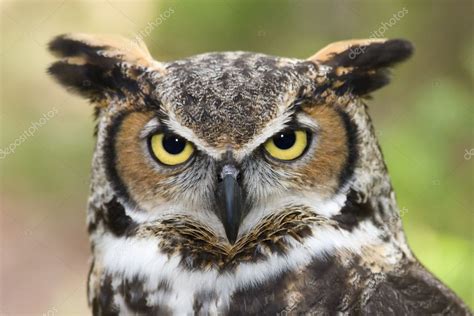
<point>161,290</point>
<point>165,291</point>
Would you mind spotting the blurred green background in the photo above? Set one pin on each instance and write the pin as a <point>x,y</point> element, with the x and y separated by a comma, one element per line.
<point>424,120</point>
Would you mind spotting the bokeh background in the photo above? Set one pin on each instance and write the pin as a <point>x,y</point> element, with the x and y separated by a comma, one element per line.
<point>425,121</point>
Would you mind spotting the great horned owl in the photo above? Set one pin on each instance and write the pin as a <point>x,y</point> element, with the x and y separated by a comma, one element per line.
<point>241,183</point>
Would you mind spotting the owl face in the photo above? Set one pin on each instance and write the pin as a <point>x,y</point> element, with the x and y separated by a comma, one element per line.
<point>224,139</point>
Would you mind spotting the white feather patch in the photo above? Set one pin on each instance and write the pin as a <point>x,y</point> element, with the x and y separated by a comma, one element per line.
<point>133,257</point>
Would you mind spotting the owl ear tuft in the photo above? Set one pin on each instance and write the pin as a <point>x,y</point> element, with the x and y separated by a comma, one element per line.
<point>362,66</point>
<point>94,65</point>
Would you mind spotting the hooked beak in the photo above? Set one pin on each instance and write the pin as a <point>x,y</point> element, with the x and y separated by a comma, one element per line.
<point>229,201</point>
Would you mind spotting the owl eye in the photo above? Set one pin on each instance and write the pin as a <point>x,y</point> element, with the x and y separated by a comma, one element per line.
<point>287,145</point>
<point>170,149</point>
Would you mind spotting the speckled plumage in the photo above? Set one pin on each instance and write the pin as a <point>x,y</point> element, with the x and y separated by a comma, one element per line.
<point>320,235</point>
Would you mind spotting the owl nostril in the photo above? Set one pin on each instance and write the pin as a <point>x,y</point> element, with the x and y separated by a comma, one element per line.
<point>220,178</point>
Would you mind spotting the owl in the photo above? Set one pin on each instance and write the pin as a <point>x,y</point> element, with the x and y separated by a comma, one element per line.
<point>237,183</point>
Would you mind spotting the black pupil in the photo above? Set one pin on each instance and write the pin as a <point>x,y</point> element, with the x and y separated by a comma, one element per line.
<point>284,140</point>
<point>173,144</point>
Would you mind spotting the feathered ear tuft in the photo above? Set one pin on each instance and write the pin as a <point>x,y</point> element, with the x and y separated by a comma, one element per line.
<point>94,65</point>
<point>362,66</point>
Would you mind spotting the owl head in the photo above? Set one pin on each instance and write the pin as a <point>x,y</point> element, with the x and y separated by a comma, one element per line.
<point>222,146</point>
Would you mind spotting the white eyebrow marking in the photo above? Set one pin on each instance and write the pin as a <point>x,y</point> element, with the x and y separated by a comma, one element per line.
<point>149,127</point>
<point>306,120</point>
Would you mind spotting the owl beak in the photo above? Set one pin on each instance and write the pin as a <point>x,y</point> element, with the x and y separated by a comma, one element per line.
<point>229,200</point>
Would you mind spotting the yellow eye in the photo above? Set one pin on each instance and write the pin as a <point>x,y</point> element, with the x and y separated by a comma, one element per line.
<point>287,145</point>
<point>170,149</point>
